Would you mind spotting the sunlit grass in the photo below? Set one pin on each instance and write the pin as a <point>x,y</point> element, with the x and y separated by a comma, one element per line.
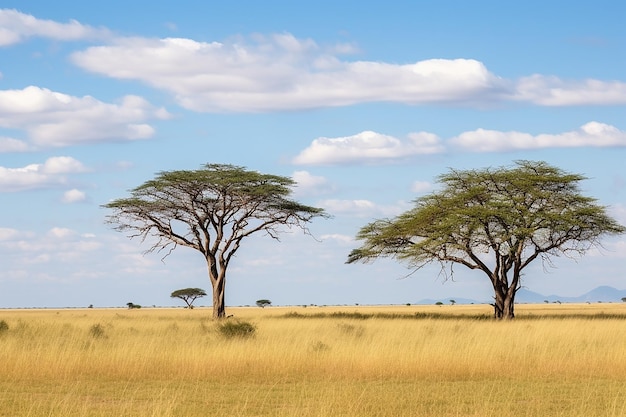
<point>447,360</point>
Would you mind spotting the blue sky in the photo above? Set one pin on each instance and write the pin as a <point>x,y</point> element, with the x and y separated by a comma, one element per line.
<point>362,103</point>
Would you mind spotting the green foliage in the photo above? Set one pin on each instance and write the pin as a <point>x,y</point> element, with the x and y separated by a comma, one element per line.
<point>211,210</point>
<point>188,295</point>
<point>263,303</point>
<point>497,221</point>
<point>133,306</point>
<point>236,329</point>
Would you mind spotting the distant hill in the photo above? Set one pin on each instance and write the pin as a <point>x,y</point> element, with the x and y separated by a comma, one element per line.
<point>603,294</point>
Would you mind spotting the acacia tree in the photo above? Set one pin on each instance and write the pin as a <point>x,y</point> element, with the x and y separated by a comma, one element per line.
<point>188,295</point>
<point>211,209</point>
<point>496,221</point>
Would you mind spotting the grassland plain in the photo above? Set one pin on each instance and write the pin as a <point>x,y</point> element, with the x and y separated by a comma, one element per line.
<point>553,360</point>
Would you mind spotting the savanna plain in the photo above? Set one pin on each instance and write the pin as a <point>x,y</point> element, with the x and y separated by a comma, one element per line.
<point>451,360</point>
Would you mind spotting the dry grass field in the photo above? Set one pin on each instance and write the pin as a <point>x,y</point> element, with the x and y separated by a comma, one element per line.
<point>553,360</point>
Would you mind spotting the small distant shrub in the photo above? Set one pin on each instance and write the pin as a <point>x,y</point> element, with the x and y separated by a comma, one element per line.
<point>97,331</point>
<point>236,329</point>
<point>4,326</point>
<point>319,346</point>
<point>351,329</point>
<point>131,305</point>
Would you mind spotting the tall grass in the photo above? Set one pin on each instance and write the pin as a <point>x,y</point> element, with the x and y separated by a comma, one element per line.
<point>365,361</point>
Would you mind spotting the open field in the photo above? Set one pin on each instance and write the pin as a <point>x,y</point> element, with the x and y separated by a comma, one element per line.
<point>554,360</point>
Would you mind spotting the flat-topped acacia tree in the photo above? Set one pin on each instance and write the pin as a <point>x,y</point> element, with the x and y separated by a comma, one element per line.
<point>496,221</point>
<point>211,209</point>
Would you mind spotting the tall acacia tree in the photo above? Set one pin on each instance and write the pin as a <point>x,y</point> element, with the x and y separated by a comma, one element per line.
<point>497,221</point>
<point>211,209</point>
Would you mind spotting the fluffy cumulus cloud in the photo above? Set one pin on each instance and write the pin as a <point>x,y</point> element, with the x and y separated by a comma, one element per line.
<point>52,173</point>
<point>310,185</point>
<point>592,134</point>
<point>53,119</point>
<point>16,27</point>
<point>367,146</point>
<point>12,145</point>
<point>74,196</point>
<point>552,91</point>
<point>282,72</point>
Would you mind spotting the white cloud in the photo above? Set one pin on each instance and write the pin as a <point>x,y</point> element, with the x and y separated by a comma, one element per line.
<point>421,186</point>
<point>308,184</point>
<point>342,239</point>
<point>74,196</point>
<point>49,174</point>
<point>8,234</point>
<point>552,91</point>
<point>592,134</point>
<point>618,212</point>
<point>360,208</point>
<point>282,72</point>
<point>53,119</point>
<point>16,27</point>
<point>12,145</point>
<point>60,232</point>
<point>367,146</point>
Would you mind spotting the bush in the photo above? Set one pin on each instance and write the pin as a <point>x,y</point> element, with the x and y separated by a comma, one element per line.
<point>4,327</point>
<point>97,331</point>
<point>235,328</point>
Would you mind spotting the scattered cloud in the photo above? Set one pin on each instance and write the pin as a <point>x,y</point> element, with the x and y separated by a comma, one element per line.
<point>592,134</point>
<point>16,27</point>
<point>367,146</point>
<point>341,239</point>
<point>360,208</point>
<point>8,145</point>
<point>372,147</point>
<point>282,72</point>
<point>8,233</point>
<point>311,185</point>
<point>51,173</point>
<point>74,196</point>
<point>421,187</point>
<point>53,119</point>
<point>618,212</point>
<point>552,91</point>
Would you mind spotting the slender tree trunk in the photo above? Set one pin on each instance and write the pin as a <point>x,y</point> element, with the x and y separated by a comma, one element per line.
<point>218,284</point>
<point>219,308</point>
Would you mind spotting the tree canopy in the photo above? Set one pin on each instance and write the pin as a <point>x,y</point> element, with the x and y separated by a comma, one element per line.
<point>496,221</point>
<point>211,209</point>
<point>188,295</point>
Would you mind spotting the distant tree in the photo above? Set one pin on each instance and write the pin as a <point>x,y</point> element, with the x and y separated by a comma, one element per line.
<point>497,221</point>
<point>624,299</point>
<point>211,209</point>
<point>131,305</point>
<point>188,295</point>
<point>263,303</point>
<point>453,302</point>
<point>439,303</point>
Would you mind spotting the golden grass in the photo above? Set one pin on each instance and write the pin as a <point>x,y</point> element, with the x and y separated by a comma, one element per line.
<point>554,360</point>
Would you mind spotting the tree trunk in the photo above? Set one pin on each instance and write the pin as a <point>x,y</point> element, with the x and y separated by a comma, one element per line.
<point>219,309</point>
<point>218,284</point>
<point>504,306</point>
